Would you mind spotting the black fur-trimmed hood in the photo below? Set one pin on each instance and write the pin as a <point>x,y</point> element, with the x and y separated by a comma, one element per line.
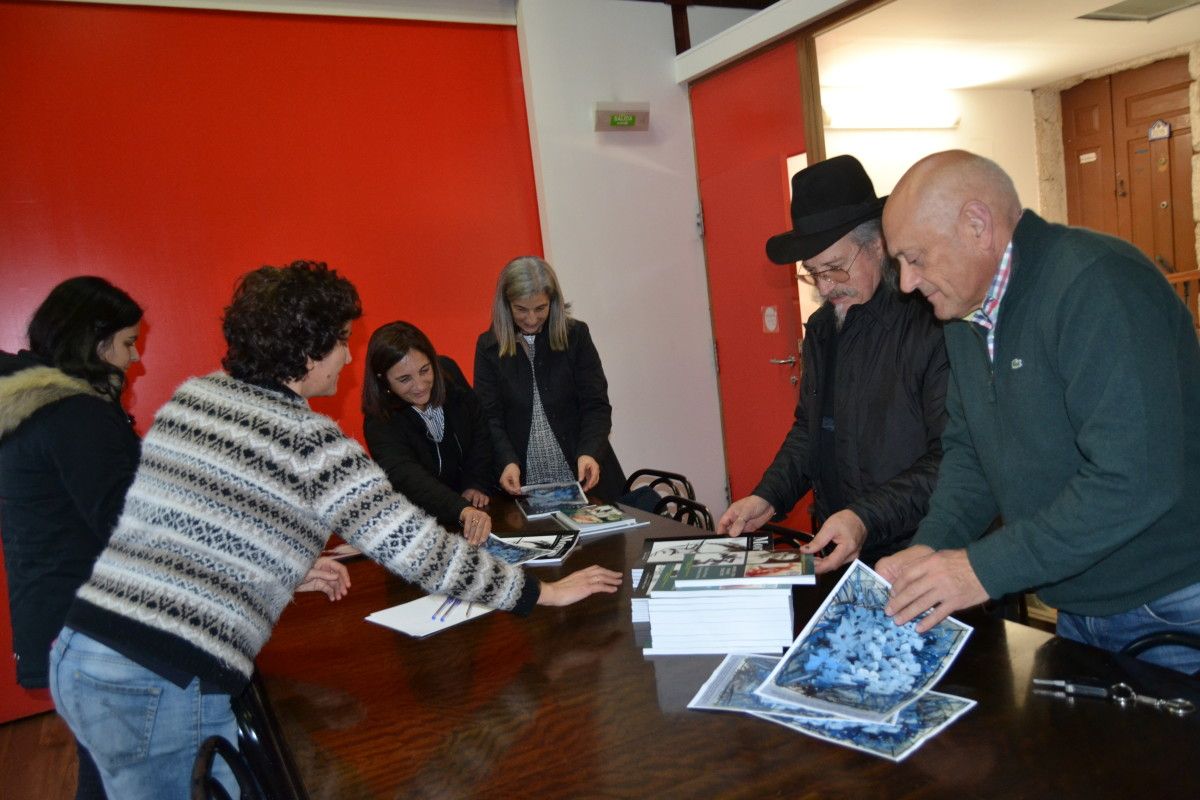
<point>27,386</point>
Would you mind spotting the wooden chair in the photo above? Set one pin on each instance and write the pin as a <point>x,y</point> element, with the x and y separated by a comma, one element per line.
<point>206,787</point>
<point>685,510</point>
<point>675,483</point>
<point>1162,639</point>
<point>1187,286</point>
<point>263,747</point>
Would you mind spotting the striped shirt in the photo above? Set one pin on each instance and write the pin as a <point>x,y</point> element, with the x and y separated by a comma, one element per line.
<point>986,315</point>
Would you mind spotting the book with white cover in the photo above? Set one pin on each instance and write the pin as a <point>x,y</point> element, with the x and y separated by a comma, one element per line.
<point>748,568</point>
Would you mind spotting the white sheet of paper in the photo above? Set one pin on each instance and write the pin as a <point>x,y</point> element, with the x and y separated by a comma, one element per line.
<point>417,617</point>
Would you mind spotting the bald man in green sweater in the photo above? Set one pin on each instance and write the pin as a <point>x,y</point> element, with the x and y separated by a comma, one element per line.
<point>1074,416</point>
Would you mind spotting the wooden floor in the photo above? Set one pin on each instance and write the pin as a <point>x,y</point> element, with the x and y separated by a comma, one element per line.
<point>37,759</point>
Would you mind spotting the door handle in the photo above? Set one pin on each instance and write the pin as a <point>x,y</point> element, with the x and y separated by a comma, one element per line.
<point>789,360</point>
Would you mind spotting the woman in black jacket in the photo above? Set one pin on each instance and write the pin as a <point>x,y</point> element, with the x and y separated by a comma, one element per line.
<point>556,428</point>
<point>68,452</point>
<point>426,429</point>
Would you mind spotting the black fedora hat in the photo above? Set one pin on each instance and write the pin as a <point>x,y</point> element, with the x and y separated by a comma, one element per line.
<point>829,199</point>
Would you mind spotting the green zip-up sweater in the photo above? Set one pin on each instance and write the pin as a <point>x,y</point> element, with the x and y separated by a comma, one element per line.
<point>1084,435</point>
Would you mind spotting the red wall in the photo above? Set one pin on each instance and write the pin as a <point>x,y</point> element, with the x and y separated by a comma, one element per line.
<point>747,119</point>
<point>172,150</point>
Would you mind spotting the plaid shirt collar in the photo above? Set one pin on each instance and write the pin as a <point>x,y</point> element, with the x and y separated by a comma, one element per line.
<point>985,315</point>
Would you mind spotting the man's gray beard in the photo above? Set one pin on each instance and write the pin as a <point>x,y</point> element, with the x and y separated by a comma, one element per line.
<point>839,316</point>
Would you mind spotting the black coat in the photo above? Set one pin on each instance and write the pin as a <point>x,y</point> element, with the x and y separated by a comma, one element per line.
<point>574,395</point>
<point>889,412</point>
<point>400,443</point>
<point>67,457</point>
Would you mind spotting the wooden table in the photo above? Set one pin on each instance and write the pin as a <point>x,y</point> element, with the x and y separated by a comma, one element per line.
<point>563,705</point>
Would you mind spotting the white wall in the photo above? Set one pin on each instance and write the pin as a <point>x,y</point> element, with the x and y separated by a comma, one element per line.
<point>997,123</point>
<point>705,22</point>
<point>618,213</point>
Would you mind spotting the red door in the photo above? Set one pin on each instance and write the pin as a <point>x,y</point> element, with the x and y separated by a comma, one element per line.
<point>747,121</point>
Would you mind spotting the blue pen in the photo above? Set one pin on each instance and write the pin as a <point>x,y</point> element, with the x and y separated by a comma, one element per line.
<point>453,605</point>
<point>441,608</point>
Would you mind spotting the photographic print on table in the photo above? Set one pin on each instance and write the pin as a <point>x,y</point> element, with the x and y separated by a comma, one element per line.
<point>731,687</point>
<point>915,724</point>
<point>853,661</point>
<point>554,547</point>
<point>540,500</point>
<point>513,553</point>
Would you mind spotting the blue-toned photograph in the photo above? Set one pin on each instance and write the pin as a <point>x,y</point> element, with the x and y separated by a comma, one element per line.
<point>915,724</point>
<point>513,553</point>
<point>543,499</point>
<point>853,661</point>
<point>732,685</point>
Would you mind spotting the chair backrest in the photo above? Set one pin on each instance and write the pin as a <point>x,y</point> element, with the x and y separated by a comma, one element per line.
<point>685,510</point>
<point>1162,639</point>
<point>675,483</point>
<point>1187,286</point>
<point>206,787</point>
<point>263,746</point>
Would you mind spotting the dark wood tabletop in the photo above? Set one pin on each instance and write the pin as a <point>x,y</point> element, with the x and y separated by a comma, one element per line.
<point>563,704</point>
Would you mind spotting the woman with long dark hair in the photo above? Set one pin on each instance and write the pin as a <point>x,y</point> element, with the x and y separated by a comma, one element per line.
<point>425,427</point>
<point>543,387</point>
<point>68,452</point>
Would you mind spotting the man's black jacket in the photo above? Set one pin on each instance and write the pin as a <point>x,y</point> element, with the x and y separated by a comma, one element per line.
<point>890,397</point>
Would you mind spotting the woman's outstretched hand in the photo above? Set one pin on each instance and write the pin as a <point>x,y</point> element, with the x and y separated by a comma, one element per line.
<point>578,585</point>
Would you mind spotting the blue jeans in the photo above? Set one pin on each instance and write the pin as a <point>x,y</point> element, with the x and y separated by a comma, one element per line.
<point>142,730</point>
<point>1177,612</point>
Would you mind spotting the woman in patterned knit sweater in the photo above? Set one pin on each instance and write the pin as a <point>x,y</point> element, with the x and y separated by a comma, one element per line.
<point>539,378</point>
<point>239,486</point>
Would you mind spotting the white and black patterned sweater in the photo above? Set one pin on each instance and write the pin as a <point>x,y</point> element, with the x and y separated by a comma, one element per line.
<point>237,491</point>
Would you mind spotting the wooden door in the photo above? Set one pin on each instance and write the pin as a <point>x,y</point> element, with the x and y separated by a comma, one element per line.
<point>748,119</point>
<point>1118,180</point>
<point>1154,188</point>
<point>1088,154</point>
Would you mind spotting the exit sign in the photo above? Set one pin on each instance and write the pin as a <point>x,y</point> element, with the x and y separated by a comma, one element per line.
<point>621,117</point>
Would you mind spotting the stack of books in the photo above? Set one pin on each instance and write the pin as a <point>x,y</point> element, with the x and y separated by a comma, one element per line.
<point>852,677</point>
<point>716,595</point>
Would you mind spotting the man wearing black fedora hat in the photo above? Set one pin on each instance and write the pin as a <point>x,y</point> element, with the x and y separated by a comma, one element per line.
<point>866,437</point>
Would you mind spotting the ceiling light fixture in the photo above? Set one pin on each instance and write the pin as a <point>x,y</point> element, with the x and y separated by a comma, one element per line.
<point>1139,10</point>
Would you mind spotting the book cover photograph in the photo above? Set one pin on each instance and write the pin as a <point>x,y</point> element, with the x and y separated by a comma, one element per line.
<point>708,550</point>
<point>545,549</point>
<point>596,519</point>
<point>540,500</point>
<point>746,567</point>
<point>512,552</point>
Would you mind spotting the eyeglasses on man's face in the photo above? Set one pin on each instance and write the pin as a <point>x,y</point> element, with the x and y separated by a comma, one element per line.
<point>831,274</point>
